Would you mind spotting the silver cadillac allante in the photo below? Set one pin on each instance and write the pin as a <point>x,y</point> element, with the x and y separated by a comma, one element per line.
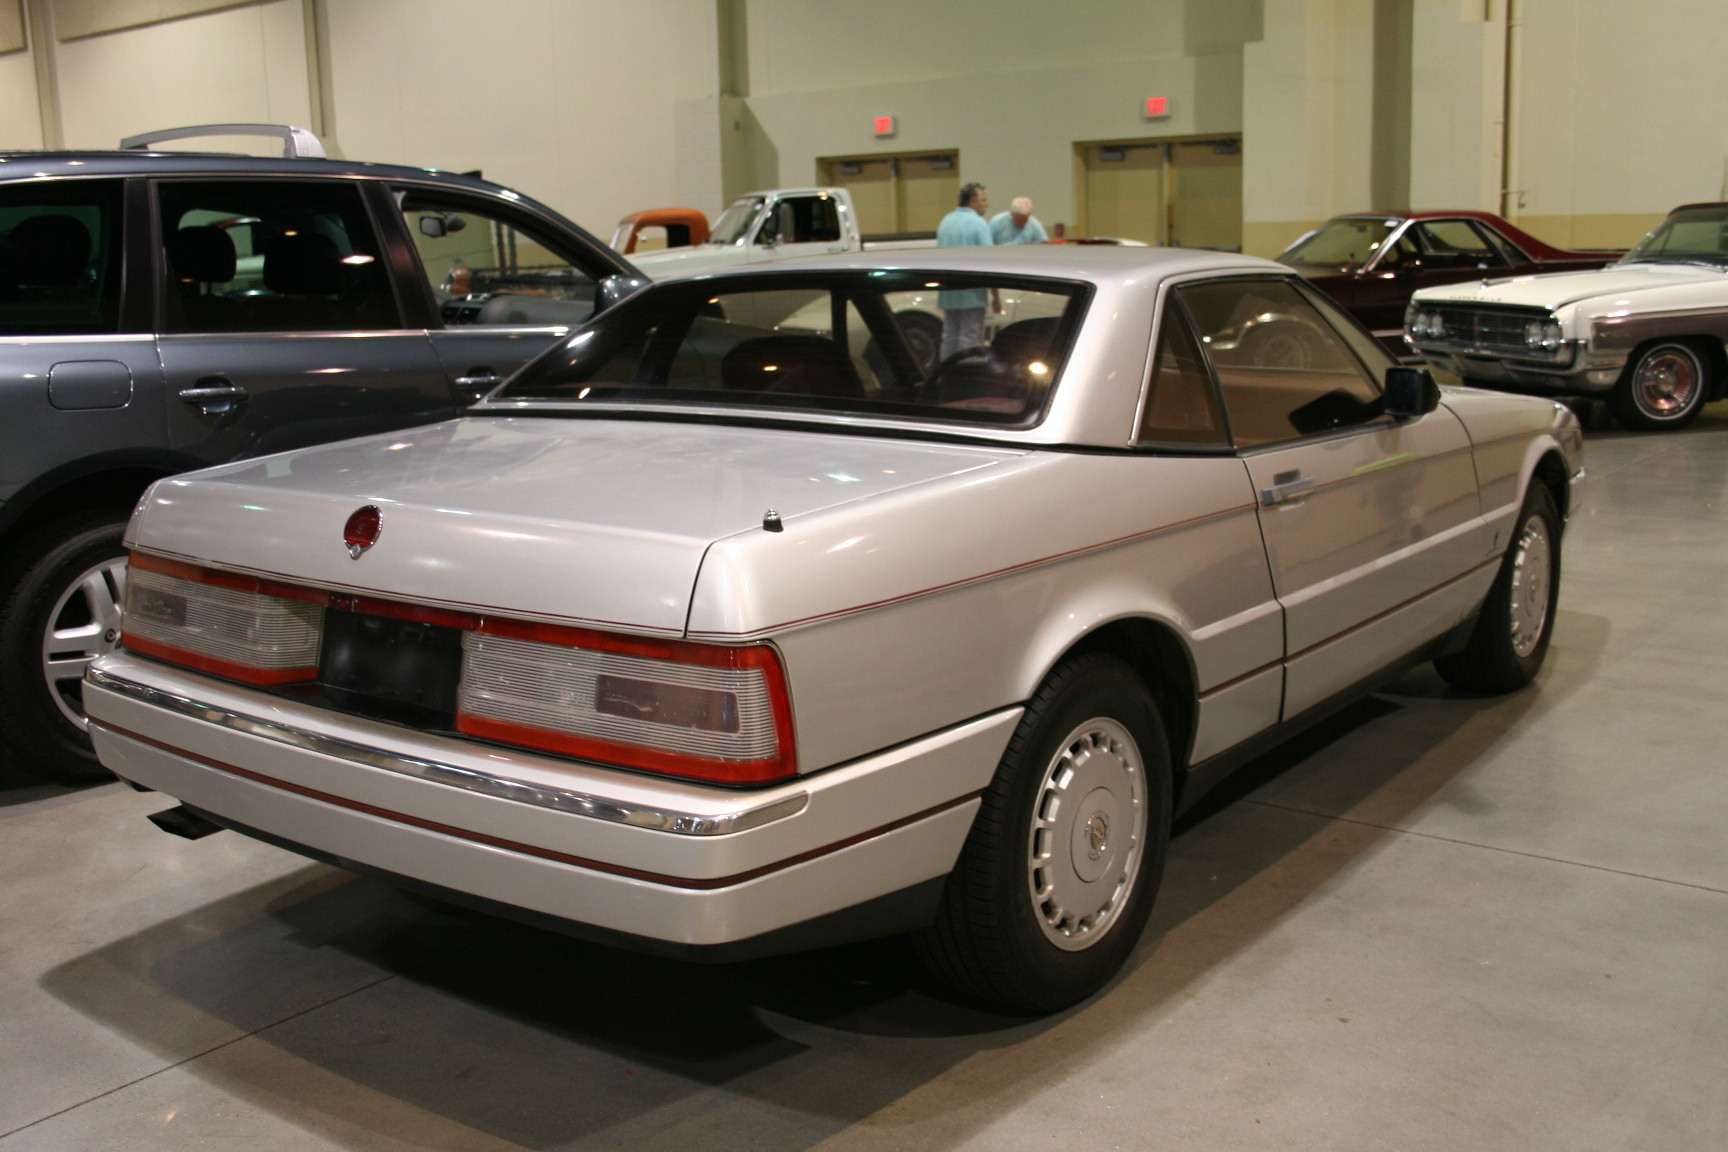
<point>727,627</point>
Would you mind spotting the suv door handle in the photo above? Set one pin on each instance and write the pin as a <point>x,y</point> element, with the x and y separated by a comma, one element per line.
<point>215,395</point>
<point>1287,486</point>
<point>479,381</point>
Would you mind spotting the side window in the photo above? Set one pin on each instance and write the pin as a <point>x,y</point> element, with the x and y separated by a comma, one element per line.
<point>486,267</point>
<point>1181,405</point>
<point>60,258</point>
<point>803,220</point>
<point>1370,351</point>
<point>1507,250</point>
<point>1401,252</point>
<point>272,256</point>
<point>1283,370</point>
<point>1455,244</point>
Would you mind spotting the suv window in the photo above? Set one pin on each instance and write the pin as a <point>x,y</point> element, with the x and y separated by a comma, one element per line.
<point>277,256</point>
<point>1283,370</point>
<point>60,258</point>
<point>485,267</point>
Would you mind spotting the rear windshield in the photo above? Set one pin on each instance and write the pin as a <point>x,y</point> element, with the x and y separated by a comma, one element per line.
<point>975,349</point>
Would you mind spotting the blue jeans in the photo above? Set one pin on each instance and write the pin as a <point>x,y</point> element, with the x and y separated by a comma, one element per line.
<point>962,328</point>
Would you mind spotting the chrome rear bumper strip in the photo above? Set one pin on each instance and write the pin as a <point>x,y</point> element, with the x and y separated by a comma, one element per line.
<point>468,779</point>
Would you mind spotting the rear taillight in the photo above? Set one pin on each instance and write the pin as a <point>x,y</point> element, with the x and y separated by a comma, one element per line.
<point>696,710</point>
<point>702,711</point>
<point>219,622</point>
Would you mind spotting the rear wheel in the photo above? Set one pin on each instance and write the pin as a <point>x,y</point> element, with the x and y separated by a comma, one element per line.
<point>1063,861</point>
<point>1507,647</point>
<point>62,596</point>
<point>1663,388</point>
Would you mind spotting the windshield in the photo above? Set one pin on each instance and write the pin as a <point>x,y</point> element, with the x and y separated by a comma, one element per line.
<point>735,221</point>
<point>849,341</point>
<point>1689,234</point>
<point>1341,242</point>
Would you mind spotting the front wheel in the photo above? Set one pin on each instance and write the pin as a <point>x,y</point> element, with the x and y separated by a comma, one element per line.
<point>1510,640</point>
<point>1063,861</point>
<point>1664,388</point>
<point>62,597</point>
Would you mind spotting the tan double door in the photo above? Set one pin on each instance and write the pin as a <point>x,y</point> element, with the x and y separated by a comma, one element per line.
<point>1181,193</point>
<point>896,194</point>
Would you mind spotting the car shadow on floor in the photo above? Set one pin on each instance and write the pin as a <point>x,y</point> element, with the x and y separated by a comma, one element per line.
<point>347,1008</point>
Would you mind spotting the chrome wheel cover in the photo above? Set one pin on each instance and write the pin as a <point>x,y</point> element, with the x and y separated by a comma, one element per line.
<point>84,624</point>
<point>1667,383</point>
<point>1532,578</point>
<point>1088,833</point>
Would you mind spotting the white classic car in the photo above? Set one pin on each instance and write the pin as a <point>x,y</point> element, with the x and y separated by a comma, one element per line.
<point>720,638</point>
<point>1647,331</point>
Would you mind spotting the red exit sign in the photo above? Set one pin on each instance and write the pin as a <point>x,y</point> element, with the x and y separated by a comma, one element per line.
<point>884,125</point>
<point>1157,106</point>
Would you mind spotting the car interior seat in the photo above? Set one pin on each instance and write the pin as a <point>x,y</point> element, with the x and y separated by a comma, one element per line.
<point>49,254</point>
<point>200,257</point>
<point>790,365</point>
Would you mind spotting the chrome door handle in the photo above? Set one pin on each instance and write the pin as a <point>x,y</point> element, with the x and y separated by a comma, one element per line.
<point>1287,486</point>
<point>215,396</point>
<point>481,381</point>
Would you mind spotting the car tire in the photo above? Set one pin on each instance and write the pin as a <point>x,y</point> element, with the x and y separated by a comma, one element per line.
<point>1062,864</point>
<point>923,334</point>
<point>1664,387</point>
<point>1510,640</point>
<point>60,608</point>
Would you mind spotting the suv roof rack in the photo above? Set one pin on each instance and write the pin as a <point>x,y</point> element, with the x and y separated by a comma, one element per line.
<point>296,142</point>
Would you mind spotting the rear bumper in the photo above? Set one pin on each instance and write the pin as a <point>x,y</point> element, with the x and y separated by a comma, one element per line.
<point>681,865</point>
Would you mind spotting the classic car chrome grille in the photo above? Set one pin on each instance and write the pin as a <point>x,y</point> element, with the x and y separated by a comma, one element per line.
<point>1498,330</point>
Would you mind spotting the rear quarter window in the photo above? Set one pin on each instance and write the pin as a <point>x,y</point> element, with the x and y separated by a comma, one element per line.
<point>60,258</point>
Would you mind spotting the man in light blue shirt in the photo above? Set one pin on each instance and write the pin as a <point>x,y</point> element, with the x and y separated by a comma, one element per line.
<point>1018,225</point>
<point>963,308</point>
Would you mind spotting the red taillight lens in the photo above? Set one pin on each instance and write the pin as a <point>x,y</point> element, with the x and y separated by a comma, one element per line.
<point>695,710</point>
<point>222,623</point>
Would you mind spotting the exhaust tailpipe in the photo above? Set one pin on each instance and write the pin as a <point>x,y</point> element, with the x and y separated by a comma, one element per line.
<point>184,821</point>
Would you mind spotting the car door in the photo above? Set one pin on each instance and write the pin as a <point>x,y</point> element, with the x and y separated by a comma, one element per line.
<point>1369,522</point>
<point>505,285</point>
<point>281,325</point>
<point>79,379</point>
<point>802,224</point>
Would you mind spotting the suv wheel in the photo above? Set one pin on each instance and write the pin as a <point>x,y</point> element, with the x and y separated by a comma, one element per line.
<point>62,591</point>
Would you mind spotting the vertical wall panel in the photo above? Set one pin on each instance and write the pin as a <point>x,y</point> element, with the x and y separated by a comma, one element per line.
<point>241,64</point>
<point>595,108</point>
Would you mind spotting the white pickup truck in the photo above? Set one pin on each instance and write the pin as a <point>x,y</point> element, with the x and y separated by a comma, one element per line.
<point>777,224</point>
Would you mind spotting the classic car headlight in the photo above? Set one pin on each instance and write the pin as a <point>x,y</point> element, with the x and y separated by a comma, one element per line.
<point>713,713</point>
<point>1426,324</point>
<point>230,625</point>
<point>1543,335</point>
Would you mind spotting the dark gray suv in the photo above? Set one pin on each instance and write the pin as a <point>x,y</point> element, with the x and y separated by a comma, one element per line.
<point>161,312</point>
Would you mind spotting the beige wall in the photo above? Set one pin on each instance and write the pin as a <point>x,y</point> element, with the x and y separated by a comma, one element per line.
<point>1012,85</point>
<point>596,108</point>
<point>240,64</point>
<point>599,107</point>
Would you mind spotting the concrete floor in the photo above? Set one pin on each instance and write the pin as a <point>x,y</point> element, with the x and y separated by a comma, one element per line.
<point>1437,923</point>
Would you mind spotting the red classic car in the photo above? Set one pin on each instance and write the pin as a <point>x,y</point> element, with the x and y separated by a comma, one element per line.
<point>1370,262</point>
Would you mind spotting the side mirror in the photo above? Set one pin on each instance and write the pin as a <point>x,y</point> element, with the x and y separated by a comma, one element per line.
<point>1410,392</point>
<point>443,224</point>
